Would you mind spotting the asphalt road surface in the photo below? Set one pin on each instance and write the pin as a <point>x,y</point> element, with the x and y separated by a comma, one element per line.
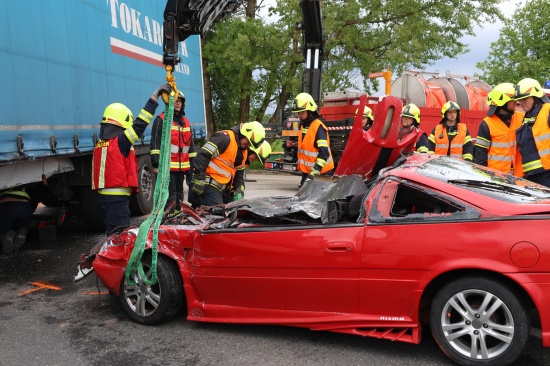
<point>47,319</point>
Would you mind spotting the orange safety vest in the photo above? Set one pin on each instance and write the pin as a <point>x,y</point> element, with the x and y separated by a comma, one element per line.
<point>307,152</point>
<point>180,142</point>
<point>442,141</point>
<point>541,133</point>
<point>222,167</point>
<point>112,173</point>
<point>502,152</point>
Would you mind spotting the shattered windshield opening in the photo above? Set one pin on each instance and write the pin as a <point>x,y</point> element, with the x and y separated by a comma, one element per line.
<point>504,187</point>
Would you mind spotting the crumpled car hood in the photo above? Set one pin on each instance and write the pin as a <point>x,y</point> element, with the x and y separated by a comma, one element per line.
<point>310,199</point>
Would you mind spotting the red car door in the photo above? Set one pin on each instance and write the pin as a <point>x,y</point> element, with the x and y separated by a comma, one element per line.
<point>314,268</point>
<point>409,230</point>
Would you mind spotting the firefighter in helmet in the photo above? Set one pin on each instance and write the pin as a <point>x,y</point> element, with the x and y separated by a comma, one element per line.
<point>533,137</point>
<point>215,168</point>
<point>182,152</point>
<point>114,174</point>
<point>496,138</point>
<point>450,137</point>
<point>368,118</point>
<point>314,155</point>
<point>410,123</point>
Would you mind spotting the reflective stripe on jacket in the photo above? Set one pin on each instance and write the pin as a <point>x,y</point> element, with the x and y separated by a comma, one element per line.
<point>501,154</point>
<point>222,167</point>
<point>307,152</point>
<point>541,135</point>
<point>112,173</point>
<point>456,145</point>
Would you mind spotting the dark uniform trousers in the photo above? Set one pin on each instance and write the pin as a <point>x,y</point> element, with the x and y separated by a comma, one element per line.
<point>17,214</point>
<point>210,197</point>
<point>117,212</point>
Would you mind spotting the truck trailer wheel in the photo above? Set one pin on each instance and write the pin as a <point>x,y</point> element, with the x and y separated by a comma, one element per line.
<point>142,203</point>
<point>90,210</point>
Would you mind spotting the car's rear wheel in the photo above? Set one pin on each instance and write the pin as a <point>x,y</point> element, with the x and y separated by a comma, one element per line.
<point>479,321</point>
<point>157,303</point>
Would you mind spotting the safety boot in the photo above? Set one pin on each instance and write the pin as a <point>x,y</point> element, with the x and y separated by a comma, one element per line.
<point>7,242</point>
<point>20,237</point>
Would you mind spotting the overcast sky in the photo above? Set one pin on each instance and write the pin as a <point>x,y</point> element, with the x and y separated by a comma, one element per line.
<point>479,46</point>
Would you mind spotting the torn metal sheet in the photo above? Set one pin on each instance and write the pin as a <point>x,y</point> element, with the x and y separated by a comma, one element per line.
<point>310,199</point>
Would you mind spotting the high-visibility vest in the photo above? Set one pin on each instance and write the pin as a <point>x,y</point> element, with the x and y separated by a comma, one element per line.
<point>180,142</point>
<point>15,193</point>
<point>112,173</point>
<point>307,152</point>
<point>442,141</point>
<point>222,167</point>
<point>502,152</point>
<point>541,134</point>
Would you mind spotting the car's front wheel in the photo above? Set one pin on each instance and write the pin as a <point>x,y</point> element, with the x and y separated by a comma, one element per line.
<point>157,303</point>
<point>479,321</point>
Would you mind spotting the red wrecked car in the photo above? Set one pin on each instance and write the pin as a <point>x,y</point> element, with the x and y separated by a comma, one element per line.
<point>431,241</point>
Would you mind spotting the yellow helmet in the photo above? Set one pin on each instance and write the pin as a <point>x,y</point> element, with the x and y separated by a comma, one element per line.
<point>411,110</point>
<point>263,152</point>
<point>119,115</point>
<point>449,106</point>
<point>254,132</point>
<point>303,102</point>
<point>182,97</point>
<point>529,88</point>
<point>367,112</point>
<point>501,94</point>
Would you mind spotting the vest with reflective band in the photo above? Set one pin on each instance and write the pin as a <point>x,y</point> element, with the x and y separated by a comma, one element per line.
<point>180,141</point>
<point>222,167</point>
<point>502,152</point>
<point>307,152</point>
<point>541,134</point>
<point>442,141</point>
<point>14,193</point>
<point>112,173</point>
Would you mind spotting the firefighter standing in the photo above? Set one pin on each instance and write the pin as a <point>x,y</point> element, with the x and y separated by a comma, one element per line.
<point>410,123</point>
<point>368,118</point>
<point>16,204</point>
<point>114,164</point>
<point>450,137</point>
<point>216,163</point>
<point>182,151</point>
<point>533,137</point>
<point>314,155</point>
<point>496,139</point>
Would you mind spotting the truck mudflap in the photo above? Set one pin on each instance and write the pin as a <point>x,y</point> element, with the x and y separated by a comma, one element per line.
<point>367,152</point>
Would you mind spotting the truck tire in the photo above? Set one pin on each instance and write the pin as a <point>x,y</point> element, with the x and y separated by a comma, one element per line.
<point>142,203</point>
<point>90,210</point>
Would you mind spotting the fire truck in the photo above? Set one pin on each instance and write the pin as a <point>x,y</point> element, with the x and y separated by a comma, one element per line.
<point>428,90</point>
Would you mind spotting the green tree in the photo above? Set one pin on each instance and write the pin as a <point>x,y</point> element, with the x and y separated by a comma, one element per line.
<point>258,63</point>
<point>523,47</point>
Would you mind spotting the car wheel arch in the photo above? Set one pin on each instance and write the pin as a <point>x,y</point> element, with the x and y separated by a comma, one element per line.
<point>437,283</point>
<point>173,281</point>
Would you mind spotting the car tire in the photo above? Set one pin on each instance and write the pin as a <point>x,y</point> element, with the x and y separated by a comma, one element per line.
<point>479,321</point>
<point>154,304</point>
<point>142,202</point>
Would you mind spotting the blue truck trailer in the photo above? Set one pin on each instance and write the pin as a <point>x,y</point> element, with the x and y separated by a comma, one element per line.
<point>61,63</point>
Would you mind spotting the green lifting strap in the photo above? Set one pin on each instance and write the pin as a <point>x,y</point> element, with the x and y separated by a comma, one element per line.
<point>160,198</point>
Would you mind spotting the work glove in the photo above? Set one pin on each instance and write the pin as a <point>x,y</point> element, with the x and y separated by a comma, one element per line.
<point>198,186</point>
<point>238,194</point>
<point>164,88</point>
<point>311,175</point>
